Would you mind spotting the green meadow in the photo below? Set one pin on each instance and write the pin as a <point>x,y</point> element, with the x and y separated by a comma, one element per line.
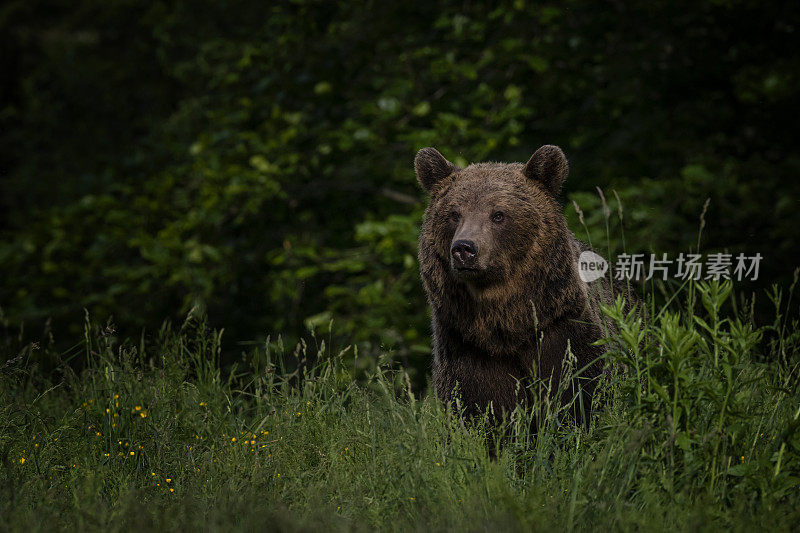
<point>697,428</point>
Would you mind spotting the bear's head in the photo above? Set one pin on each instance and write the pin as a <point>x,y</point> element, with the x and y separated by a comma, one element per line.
<point>489,223</point>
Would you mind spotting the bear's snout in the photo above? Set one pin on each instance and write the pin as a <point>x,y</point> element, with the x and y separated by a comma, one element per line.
<point>465,255</point>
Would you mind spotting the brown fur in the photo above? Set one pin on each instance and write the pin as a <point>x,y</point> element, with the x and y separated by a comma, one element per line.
<point>487,338</point>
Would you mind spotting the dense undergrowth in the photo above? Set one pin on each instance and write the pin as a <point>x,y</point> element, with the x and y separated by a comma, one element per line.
<point>698,428</point>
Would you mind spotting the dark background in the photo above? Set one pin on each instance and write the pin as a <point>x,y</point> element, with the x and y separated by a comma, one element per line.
<point>254,159</point>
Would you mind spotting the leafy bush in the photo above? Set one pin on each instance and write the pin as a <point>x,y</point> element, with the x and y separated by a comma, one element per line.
<point>257,162</point>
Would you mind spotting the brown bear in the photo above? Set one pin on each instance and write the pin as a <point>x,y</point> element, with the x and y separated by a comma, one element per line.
<point>500,271</point>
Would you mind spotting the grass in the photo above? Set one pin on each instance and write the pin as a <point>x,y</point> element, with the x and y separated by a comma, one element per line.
<point>698,429</point>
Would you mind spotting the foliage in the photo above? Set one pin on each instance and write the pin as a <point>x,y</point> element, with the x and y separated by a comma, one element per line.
<point>255,161</point>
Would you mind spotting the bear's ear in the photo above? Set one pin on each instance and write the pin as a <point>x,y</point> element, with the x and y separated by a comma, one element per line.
<point>549,167</point>
<point>431,166</point>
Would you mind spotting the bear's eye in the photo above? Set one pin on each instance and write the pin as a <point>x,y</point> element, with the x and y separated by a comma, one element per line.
<point>454,216</point>
<point>498,217</point>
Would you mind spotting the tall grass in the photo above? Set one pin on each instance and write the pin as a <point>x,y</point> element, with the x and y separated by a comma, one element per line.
<point>698,426</point>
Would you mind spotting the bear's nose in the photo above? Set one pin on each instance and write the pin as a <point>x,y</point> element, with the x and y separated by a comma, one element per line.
<point>464,253</point>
